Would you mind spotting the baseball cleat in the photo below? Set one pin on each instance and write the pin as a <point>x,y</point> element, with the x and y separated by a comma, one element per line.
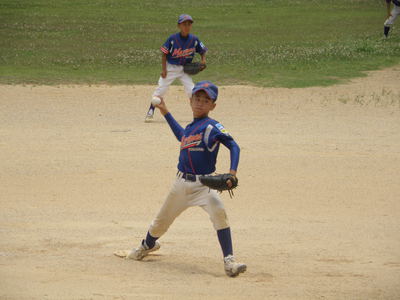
<point>149,115</point>
<point>142,251</point>
<point>232,268</point>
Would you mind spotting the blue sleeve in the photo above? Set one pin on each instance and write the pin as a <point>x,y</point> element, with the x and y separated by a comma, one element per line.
<point>167,46</point>
<point>176,128</point>
<point>200,47</point>
<point>220,134</point>
<point>234,151</point>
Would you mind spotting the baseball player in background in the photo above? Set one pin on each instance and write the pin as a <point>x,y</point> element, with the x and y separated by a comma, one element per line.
<point>178,50</point>
<point>392,15</point>
<point>199,146</point>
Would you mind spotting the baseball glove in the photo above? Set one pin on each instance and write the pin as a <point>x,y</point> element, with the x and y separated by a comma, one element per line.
<point>220,182</point>
<point>193,68</point>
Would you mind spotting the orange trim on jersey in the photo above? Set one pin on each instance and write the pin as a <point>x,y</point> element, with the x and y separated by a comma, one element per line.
<point>164,50</point>
<point>191,163</point>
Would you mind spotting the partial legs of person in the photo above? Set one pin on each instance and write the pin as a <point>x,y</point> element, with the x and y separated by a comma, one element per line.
<point>183,195</point>
<point>187,83</point>
<point>173,206</point>
<point>163,85</point>
<point>390,21</point>
<point>215,209</point>
<point>173,72</point>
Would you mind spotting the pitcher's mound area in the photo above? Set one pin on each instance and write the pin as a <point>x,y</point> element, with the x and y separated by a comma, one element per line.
<point>316,215</point>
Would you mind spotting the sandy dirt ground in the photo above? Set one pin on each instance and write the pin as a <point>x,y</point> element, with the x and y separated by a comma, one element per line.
<point>316,216</point>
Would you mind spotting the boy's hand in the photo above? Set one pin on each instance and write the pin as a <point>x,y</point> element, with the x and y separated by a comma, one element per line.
<point>162,107</point>
<point>229,182</point>
<point>221,182</point>
<point>164,73</point>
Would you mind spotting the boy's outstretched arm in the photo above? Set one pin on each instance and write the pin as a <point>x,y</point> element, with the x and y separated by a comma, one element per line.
<point>175,127</point>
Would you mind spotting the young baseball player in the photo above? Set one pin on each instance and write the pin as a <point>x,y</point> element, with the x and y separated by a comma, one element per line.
<point>178,50</point>
<point>392,15</point>
<point>199,145</point>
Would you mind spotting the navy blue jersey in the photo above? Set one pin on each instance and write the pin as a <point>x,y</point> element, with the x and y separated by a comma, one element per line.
<point>199,146</point>
<point>181,50</point>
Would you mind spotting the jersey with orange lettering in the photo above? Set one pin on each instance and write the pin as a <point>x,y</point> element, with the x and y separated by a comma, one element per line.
<point>181,50</point>
<point>200,142</point>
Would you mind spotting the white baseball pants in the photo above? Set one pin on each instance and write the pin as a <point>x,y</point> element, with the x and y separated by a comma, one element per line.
<point>394,14</point>
<point>174,72</point>
<point>183,195</point>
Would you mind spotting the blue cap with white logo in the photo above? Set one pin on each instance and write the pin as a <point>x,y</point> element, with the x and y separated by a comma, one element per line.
<point>207,86</point>
<point>183,18</point>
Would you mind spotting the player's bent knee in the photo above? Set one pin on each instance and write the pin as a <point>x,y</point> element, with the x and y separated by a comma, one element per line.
<point>387,24</point>
<point>219,218</point>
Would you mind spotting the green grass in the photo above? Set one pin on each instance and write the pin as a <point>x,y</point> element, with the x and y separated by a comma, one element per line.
<point>269,43</point>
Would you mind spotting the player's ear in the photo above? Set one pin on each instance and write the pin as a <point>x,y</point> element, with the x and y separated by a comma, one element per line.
<point>213,106</point>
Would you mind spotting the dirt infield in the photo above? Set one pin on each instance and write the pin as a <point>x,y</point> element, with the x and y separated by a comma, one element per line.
<point>316,216</point>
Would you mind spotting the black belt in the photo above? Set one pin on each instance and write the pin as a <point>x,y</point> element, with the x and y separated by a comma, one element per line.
<point>187,176</point>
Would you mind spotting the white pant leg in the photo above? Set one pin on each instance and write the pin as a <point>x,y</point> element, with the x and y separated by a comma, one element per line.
<point>173,72</point>
<point>187,82</point>
<point>210,201</point>
<point>394,14</point>
<point>216,210</point>
<point>185,194</point>
<point>175,203</point>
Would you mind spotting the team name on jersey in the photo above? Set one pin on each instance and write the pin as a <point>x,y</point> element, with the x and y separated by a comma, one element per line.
<point>191,141</point>
<point>182,53</point>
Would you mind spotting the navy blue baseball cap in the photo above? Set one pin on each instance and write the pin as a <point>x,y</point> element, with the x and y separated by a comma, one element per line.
<point>207,86</point>
<point>183,18</point>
